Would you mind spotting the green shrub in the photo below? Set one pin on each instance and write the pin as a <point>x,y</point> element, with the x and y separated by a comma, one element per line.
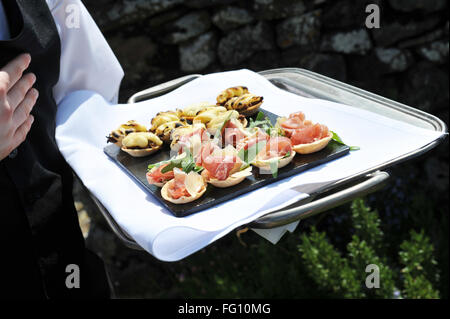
<point>344,276</point>
<point>419,267</point>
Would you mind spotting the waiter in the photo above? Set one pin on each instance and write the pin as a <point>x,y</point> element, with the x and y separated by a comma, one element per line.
<point>43,59</point>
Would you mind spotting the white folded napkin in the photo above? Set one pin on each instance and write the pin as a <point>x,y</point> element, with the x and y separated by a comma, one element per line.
<point>84,118</point>
<point>274,234</point>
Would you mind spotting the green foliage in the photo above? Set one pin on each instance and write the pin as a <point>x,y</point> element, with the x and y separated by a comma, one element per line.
<point>309,265</point>
<point>420,268</point>
<point>345,276</point>
<point>367,225</point>
<point>361,254</point>
<point>327,267</point>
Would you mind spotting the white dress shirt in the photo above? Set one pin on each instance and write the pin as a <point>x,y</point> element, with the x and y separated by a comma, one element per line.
<point>87,62</point>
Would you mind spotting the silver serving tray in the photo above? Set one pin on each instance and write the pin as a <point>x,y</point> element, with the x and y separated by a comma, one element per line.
<point>323,196</point>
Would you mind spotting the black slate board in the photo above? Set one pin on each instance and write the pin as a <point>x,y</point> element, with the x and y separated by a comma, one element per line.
<point>137,168</point>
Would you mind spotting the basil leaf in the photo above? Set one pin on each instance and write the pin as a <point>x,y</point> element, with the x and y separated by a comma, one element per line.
<point>262,122</point>
<point>188,164</point>
<point>149,167</point>
<point>175,163</point>
<point>198,169</point>
<point>186,161</point>
<point>337,139</point>
<point>168,168</point>
<point>157,164</point>
<point>287,154</point>
<point>260,116</point>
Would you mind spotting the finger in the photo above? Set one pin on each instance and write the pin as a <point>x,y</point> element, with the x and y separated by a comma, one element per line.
<point>12,72</point>
<point>23,110</point>
<point>21,133</point>
<point>20,89</point>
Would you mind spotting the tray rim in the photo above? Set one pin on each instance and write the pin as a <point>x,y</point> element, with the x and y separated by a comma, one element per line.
<point>432,120</point>
<point>437,123</point>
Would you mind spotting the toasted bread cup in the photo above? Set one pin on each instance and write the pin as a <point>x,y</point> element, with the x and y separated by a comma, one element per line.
<point>314,146</point>
<point>251,110</point>
<point>265,164</point>
<point>233,179</point>
<point>183,199</point>
<point>140,152</point>
<point>140,144</point>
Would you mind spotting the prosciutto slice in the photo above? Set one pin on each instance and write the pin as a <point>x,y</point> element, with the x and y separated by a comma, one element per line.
<point>309,134</point>
<point>294,121</point>
<point>217,163</point>
<point>232,133</point>
<point>277,146</point>
<point>156,176</point>
<point>178,187</point>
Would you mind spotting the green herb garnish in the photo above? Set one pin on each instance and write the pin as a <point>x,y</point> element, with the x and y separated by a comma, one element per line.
<point>287,154</point>
<point>157,164</point>
<point>185,163</point>
<point>262,122</point>
<point>259,116</point>
<point>337,139</point>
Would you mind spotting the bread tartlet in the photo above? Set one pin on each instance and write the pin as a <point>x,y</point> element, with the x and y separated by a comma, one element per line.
<point>314,146</point>
<point>187,187</point>
<point>123,130</point>
<point>140,144</point>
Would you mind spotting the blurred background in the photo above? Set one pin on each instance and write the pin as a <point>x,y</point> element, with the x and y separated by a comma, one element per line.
<point>406,60</point>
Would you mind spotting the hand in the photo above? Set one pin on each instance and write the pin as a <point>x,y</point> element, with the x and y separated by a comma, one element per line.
<point>17,99</point>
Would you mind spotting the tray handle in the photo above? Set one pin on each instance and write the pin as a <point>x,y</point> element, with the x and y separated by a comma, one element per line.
<point>162,88</point>
<point>275,219</point>
<point>124,237</point>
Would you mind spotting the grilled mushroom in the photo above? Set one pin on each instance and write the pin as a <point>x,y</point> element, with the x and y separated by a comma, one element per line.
<point>229,93</point>
<point>209,113</point>
<point>123,130</point>
<point>191,111</point>
<point>164,117</point>
<point>140,144</point>
<point>165,130</point>
<point>246,104</point>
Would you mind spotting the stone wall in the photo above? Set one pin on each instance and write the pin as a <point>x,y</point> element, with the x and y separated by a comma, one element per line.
<point>405,59</point>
